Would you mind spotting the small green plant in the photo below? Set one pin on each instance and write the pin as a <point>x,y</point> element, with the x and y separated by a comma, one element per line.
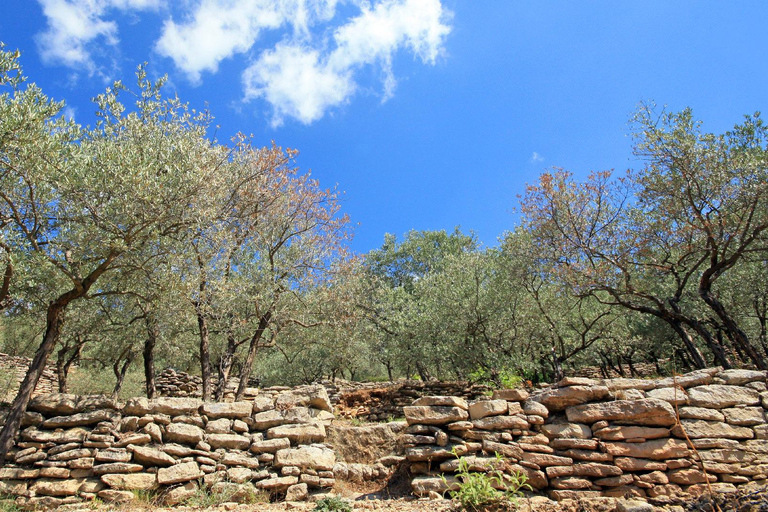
<point>7,504</point>
<point>332,504</point>
<point>503,378</point>
<point>481,491</point>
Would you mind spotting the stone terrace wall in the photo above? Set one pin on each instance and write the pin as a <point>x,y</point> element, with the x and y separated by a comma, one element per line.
<point>588,438</point>
<point>12,372</point>
<point>74,448</point>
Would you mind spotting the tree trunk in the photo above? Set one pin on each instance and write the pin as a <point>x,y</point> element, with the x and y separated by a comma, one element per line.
<point>64,363</point>
<point>225,366</point>
<point>205,356</point>
<point>690,346</point>
<point>732,330</point>
<point>120,372</point>
<point>153,332</point>
<point>245,374</point>
<point>54,321</point>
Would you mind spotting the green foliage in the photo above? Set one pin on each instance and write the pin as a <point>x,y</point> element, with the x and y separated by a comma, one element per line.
<point>332,504</point>
<point>481,491</point>
<point>206,497</point>
<point>8,504</point>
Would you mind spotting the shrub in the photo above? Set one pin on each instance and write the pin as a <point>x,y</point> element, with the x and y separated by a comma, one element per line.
<point>332,504</point>
<point>480,491</point>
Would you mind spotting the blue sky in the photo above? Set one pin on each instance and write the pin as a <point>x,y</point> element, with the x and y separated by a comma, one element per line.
<point>427,113</point>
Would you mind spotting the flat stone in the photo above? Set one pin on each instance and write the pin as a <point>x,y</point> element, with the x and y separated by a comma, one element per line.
<point>423,485</point>
<point>511,395</point>
<point>639,412</point>
<point>689,476</point>
<point>701,413</point>
<point>501,423</point>
<point>54,404</point>
<point>239,459</point>
<point>622,433</point>
<point>80,419</point>
<point>300,434</point>
<point>134,438</point>
<point>535,408</point>
<point>313,457</point>
<point>230,441</point>
<point>430,453</point>
<point>545,459</point>
<point>443,401</point>
<point>634,464</point>
<point>628,394</point>
<point>511,451</point>
<point>180,494</point>
<point>270,445</point>
<point>656,449</point>
<point>745,416</point>
<point>694,378</point>
<point>672,395</point>
<point>596,470</point>
<point>278,483</point>
<point>220,426</point>
<point>183,472</point>
<point>154,432</point>
<point>72,454</point>
<point>741,377</point>
<point>131,481</point>
<point>566,431</point>
<point>183,433</point>
<point>56,487</point>
<point>171,406</point>
<point>116,467</point>
<point>116,496</point>
<point>557,399</point>
<point>216,410</point>
<point>433,415</point>
<point>633,506</point>
<point>720,396</point>
<point>623,383</point>
<point>306,396</point>
<point>113,455</point>
<point>483,408</point>
<point>151,456</point>
<point>18,474</point>
<point>73,435</point>
<point>267,419</point>
<point>570,482</point>
<point>700,428</point>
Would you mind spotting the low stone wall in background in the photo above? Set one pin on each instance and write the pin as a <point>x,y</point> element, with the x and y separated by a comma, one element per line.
<point>12,372</point>
<point>75,448</point>
<point>589,438</point>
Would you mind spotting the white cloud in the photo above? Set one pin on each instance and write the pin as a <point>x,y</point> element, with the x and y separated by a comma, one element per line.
<point>218,29</point>
<point>372,38</point>
<point>295,81</point>
<point>74,25</point>
<point>535,157</point>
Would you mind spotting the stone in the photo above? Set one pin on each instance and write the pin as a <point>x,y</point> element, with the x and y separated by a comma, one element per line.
<point>629,394</point>
<point>171,406</point>
<point>566,430</point>
<point>656,449</point>
<point>423,485</point>
<point>239,459</point>
<point>510,451</point>
<point>18,474</point>
<point>183,433</point>
<point>430,453</point>
<point>314,457</point>
<point>263,403</point>
<point>535,408</point>
<point>634,506</point>
<point>615,481</point>
<point>270,445</point>
<point>54,404</point>
<point>133,438</point>
<point>216,410</point>
<point>53,472</point>
<point>511,395</point>
<point>634,464</point>
<point>721,396</point>
<point>277,483</point>
<point>544,459</point>
<point>672,395</point>
<point>501,423</point>
<point>649,411</point>
<point>622,433</point>
<point>131,481</point>
<point>229,441</point>
<point>239,475</point>
<point>220,426</point>
<point>72,454</point>
<point>80,419</point>
<point>624,383</point>
<point>113,455</point>
<point>116,496</point>
<point>557,399</point>
<point>579,444</point>
<point>154,432</point>
<point>72,435</point>
<point>56,487</point>
<point>483,408</point>
<point>701,413</point>
<point>433,415</point>
<point>689,476</point>
<point>267,419</point>
<point>116,467</point>
<point>299,434</point>
<point>596,470</point>
<point>183,472</point>
<point>570,483</point>
<point>297,492</point>
<point>694,378</point>
<point>306,396</point>
<point>700,428</point>
<point>180,494</point>
<point>741,377</point>
<point>745,416</point>
<point>13,487</point>
<point>443,401</point>
<point>151,456</point>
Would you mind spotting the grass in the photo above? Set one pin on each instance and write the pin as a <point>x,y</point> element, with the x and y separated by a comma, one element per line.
<point>481,491</point>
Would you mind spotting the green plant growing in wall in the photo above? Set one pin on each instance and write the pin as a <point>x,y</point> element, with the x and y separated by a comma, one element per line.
<point>479,491</point>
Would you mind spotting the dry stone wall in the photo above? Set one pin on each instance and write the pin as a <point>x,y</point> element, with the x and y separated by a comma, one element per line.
<point>73,448</point>
<point>589,438</point>
<point>12,372</point>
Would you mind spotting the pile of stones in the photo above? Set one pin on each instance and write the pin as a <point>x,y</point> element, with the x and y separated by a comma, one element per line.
<point>589,438</point>
<point>74,448</point>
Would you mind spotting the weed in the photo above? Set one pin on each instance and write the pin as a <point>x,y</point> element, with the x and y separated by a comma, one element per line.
<point>7,504</point>
<point>480,491</point>
<point>206,497</point>
<point>332,504</point>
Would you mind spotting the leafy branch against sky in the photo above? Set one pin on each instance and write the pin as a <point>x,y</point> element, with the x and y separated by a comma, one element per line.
<point>303,57</point>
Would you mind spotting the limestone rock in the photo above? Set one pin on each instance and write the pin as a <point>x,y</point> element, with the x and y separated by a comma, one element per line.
<point>741,377</point>
<point>297,492</point>
<point>672,395</point>
<point>444,401</point>
<point>130,481</point>
<point>557,399</point>
<point>566,430</point>
<point>220,426</point>
<point>501,423</point>
<point>720,396</point>
<point>116,467</point>
<point>183,433</point>
<point>216,410</point>
<point>267,419</point>
<point>430,453</point>
<point>56,487</point>
<point>639,412</point>
<point>622,433</point>
<point>180,494</point>
<point>230,441</point>
<point>511,395</point>
<point>151,456</point>
<point>183,472</point>
<point>483,408</point>
<point>531,407</point>
<point>54,404</point>
<point>116,496</point>
<point>700,428</point>
<point>700,413</point>
<point>423,485</point>
<point>298,433</point>
<point>270,445</point>
<point>745,416</point>
<point>277,483</point>
<point>433,415</point>
<point>80,419</point>
<point>313,457</point>
<point>656,449</point>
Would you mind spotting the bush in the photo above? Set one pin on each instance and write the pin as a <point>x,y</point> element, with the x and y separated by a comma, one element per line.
<point>480,491</point>
<point>332,504</point>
